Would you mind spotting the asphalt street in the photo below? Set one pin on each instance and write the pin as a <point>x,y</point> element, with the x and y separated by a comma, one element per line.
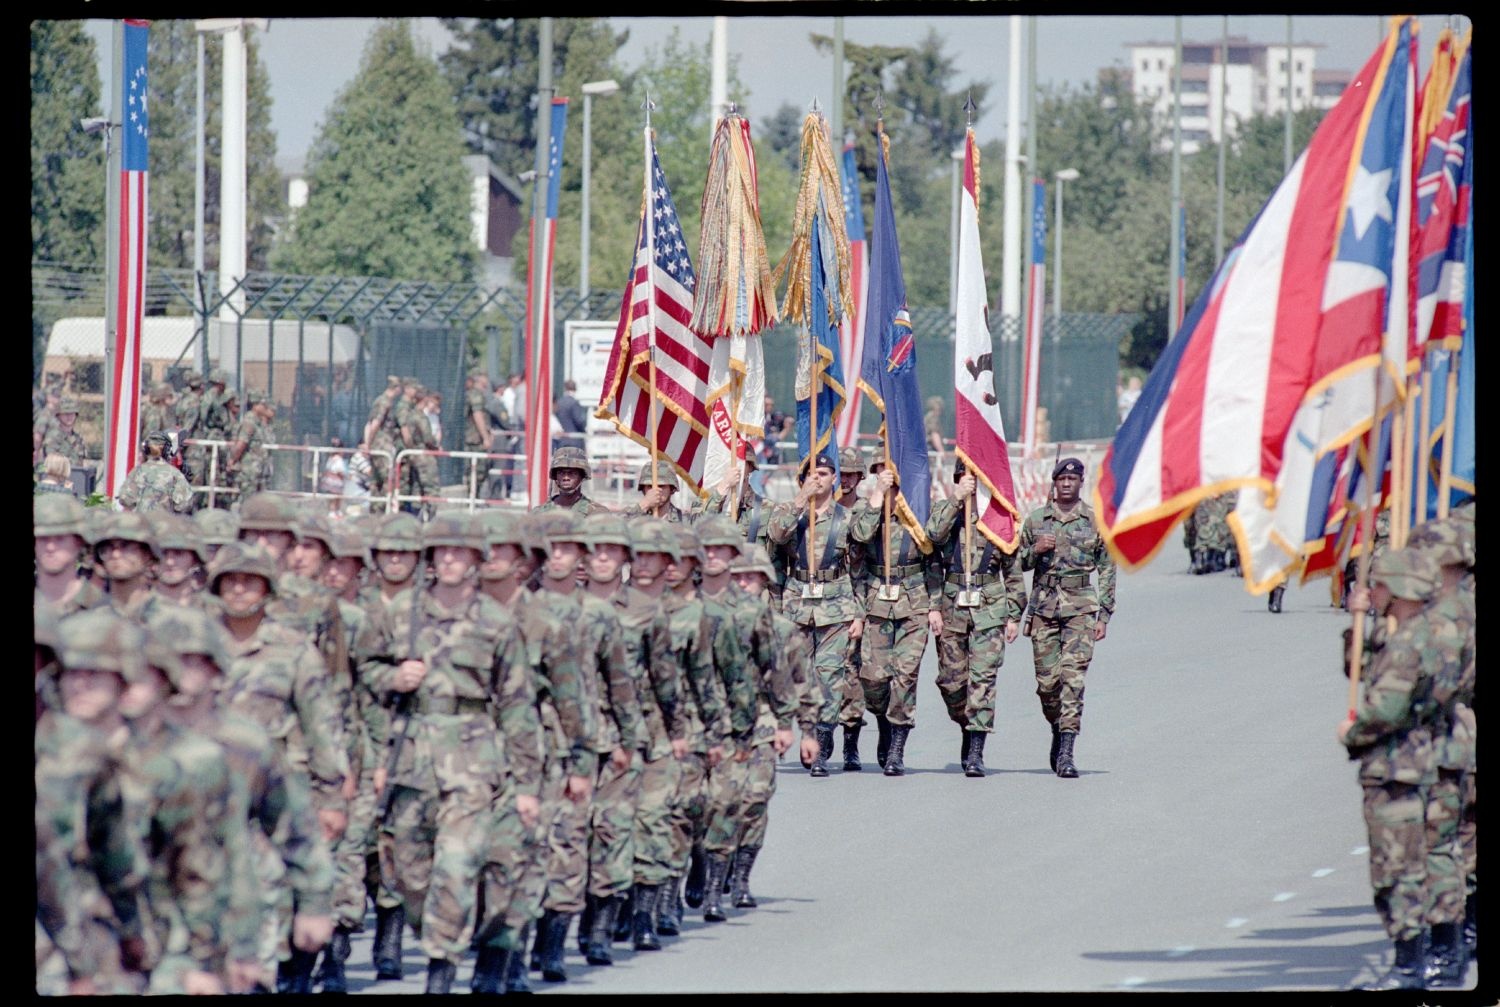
<point>1212,842</point>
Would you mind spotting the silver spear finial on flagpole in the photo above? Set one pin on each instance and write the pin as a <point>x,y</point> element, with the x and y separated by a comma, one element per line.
<point>969,107</point>
<point>648,105</point>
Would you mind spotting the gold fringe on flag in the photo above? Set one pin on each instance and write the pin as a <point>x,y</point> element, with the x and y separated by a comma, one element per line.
<point>734,295</point>
<point>818,191</point>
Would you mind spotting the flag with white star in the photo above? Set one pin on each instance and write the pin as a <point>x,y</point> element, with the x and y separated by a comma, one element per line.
<point>538,428</point>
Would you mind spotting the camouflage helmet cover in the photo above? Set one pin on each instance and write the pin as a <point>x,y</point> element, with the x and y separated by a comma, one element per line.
<point>607,528</point>
<point>1407,573</point>
<point>128,526</point>
<point>266,512</point>
<point>399,532</point>
<point>57,514</point>
<point>653,535</point>
<point>217,527</point>
<point>242,557</point>
<point>570,458</point>
<point>98,638</point>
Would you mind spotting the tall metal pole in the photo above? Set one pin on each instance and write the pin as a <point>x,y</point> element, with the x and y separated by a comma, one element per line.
<point>958,158</point>
<point>836,106</point>
<point>1223,143</point>
<point>200,293</point>
<point>1010,254</point>
<point>1028,192</point>
<point>1057,265</point>
<point>1287,167</point>
<point>588,157</point>
<point>112,155</point>
<point>1174,308</point>
<point>719,75</point>
<point>539,384</point>
<point>232,186</point>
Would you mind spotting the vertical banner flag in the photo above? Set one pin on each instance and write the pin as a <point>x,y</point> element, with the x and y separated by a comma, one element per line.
<point>734,299</point>
<point>819,296</point>
<point>1036,304</point>
<point>1275,367</point>
<point>888,373</point>
<point>539,385</point>
<point>852,331</point>
<point>655,315</point>
<point>125,382</point>
<point>980,440</point>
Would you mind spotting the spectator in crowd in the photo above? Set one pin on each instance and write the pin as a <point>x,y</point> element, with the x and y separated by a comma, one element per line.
<point>779,427</point>
<point>1128,394</point>
<point>358,474</point>
<point>571,416</point>
<point>335,472</point>
<point>513,396</point>
<point>57,476</point>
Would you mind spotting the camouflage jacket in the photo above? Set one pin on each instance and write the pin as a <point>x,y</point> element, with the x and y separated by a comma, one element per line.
<point>474,401</point>
<point>213,416</point>
<point>602,640</point>
<point>568,700</point>
<point>919,577</point>
<point>189,407</point>
<point>834,571</point>
<point>155,485</point>
<point>1061,586</point>
<point>648,654</point>
<point>993,572</point>
<point>473,720</point>
<point>87,596</point>
<point>583,507</point>
<point>1392,732</point>
<point>157,417</point>
<point>768,670</point>
<point>1453,689</point>
<point>276,679</point>
<point>417,430</point>
<point>254,434</point>
<point>355,696</point>
<point>698,648</point>
<point>68,443</point>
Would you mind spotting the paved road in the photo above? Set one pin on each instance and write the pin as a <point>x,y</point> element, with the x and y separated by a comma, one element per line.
<point>1212,842</point>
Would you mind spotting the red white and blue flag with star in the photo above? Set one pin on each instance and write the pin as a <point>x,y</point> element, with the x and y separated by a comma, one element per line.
<point>656,315</point>
<point>852,329</point>
<point>539,385</point>
<point>1274,369</point>
<point>122,438</point>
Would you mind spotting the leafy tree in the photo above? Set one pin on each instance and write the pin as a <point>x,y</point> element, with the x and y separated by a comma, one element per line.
<point>67,165</point>
<point>388,192</point>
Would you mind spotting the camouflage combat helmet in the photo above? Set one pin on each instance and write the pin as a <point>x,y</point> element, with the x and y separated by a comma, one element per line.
<point>345,541</point>
<point>158,437</point>
<point>96,521</point>
<point>216,527</point>
<point>97,638</point>
<point>194,380</point>
<point>606,528</point>
<point>556,526</point>
<point>242,557</point>
<point>665,476</point>
<point>174,531</point>
<point>266,512</point>
<point>181,631</point>
<point>719,530</point>
<point>256,396</point>
<point>502,527</point>
<point>218,376</point>
<point>1407,573</point>
<point>852,459</point>
<point>313,526</point>
<point>653,535</point>
<point>128,526</point>
<point>398,532</point>
<point>1445,540</point>
<point>570,458</point>
<point>57,514</point>
<point>66,404</point>
<point>754,561</point>
<point>455,528</point>
<point>688,544</point>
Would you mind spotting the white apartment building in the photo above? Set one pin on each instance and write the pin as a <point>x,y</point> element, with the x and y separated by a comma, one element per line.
<point>1255,83</point>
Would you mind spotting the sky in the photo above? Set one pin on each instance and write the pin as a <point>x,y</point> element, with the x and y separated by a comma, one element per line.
<point>310,60</point>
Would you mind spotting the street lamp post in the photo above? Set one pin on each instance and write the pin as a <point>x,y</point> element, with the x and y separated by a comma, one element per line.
<point>1065,175</point>
<point>958,162</point>
<point>600,88</point>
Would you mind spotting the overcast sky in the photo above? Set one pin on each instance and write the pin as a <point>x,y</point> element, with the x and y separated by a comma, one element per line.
<point>310,60</point>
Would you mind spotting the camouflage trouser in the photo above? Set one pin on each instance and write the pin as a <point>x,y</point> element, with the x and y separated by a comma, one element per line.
<point>109,977</point>
<point>567,864</point>
<point>755,800</point>
<point>432,847</point>
<point>275,903</point>
<point>653,820</point>
<point>1468,830</point>
<point>420,478</point>
<point>349,863</point>
<point>969,663</point>
<point>831,647</point>
<point>726,795</point>
<point>891,651</point>
<point>1062,650</point>
<point>689,811</point>
<point>1398,862</point>
<point>380,463</point>
<point>251,477</point>
<point>1445,877</point>
<point>612,828</point>
<point>526,905</point>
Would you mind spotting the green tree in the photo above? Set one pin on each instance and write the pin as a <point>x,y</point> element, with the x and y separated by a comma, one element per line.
<point>388,194</point>
<point>67,165</point>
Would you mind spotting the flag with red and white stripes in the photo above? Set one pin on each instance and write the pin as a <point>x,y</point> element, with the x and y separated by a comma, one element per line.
<point>539,358</point>
<point>1031,350</point>
<point>667,399</point>
<point>852,331</point>
<point>121,439</point>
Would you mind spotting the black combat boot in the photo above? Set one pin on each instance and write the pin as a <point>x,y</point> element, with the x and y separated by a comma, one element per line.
<point>624,917</point>
<point>296,973</point>
<point>692,892</point>
<point>600,934</point>
<point>334,955</point>
<point>490,966</point>
<point>1065,767</point>
<point>440,973</point>
<point>1273,603</point>
<point>713,902</point>
<point>389,924</point>
<point>1447,957</point>
<point>883,740</point>
<point>893,764</point>
<point>963,752</point>
<point>669,907</point>
<point>552,931</point>
<point>586,923</point>
<point>1471,923</point>
<point>975,765</point>
<point>851,748</point>
<point>643,917</point>
<point>1056,742</point>
<point>1198,565</point>
<point>744,861</point>
<point>1220,562</point>
<point>516,980</point>
<point>825,751</point>
<point>1406,971</point>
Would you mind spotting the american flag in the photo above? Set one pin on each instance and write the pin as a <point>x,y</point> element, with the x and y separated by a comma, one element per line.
<point>655,315</point>
<point>539,381</point>
<point>1031,350</point>
<point>125,382</point>
<point>852,331</point>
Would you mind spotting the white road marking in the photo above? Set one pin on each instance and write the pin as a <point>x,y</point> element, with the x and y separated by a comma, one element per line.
<point>1322,872</point>
<point>1359,851</point>
<point>1132,981</point>
<point>1235,923</point>
<point>1283,896</point>
<point>1178,952</point>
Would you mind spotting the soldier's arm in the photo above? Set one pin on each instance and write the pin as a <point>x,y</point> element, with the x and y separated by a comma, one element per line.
<point>933,577</point>
<point>774,671</point>
<point>284,813</point>
<point>621,686</point>
<point>864,522</point>
<point>130,493</point>
<point>943,520</point>
<point>514,690</point>
<point>182,493</point>
<point>663,674</point>
<point>116,857</point>
<point>1387,703</point>
<point>1015,588</point>
<point>1028,539</point>
<point>705,675</point>
<point>202,816</point>
<point>576,709</point>
<point>318,714</point>
<point>781,527</point>
<point>1106,585</point>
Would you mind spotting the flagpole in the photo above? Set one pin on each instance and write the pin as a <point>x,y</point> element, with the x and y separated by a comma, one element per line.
<point>1367,530</point>
<point>1425,452</point>
<point>650,294</point>
<point>734,454</point>
<point>1401,449</point>
<point>968,546</point>
<point>1445,471</point>
<point>886,527</point>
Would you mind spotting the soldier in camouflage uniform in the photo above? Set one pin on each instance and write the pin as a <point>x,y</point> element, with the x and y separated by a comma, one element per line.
<point>1391,734</point>
<point>157,413</point>
<point>381,432</point>
<point>570,467</point>
<point>567,711</point>
<point>753,515</point>
<point>979,613</point>
<point>154,485</point>
<point>57,545</point>
<point>61,438</point>
<point>126,550</point>
<point>420,472</point>
<point>249,463</point>
<point>477,433</point>
<point>1213,542</point>
<point>822,599</point>
<point>852,472</point>
<point>900,610</point>
<point>215,423</point>
<point>181,557</point>
<point>656,501</point>
<point>468,748</point>
<point>1067,615</point>
<point>189,409</point>
<point>216,528</point>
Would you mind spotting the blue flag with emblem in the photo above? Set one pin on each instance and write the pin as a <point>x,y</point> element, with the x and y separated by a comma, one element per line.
<point>888,373</point>
<point>818,366</point>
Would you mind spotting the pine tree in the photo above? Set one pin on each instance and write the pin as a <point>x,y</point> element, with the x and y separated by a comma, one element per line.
<point>67,165</point>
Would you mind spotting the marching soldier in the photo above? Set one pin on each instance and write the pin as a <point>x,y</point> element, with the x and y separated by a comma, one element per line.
<point>656,501</point>
<point>851,474</point>
<point>900,610</point>
<point>570,467</point>
<point>1067,614</point>
<point>58,545</point>
<point>181,558</point>
<point>821,598</point>
<point>249,464</point>
<point>126,551</point>
<point>753,515</point>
